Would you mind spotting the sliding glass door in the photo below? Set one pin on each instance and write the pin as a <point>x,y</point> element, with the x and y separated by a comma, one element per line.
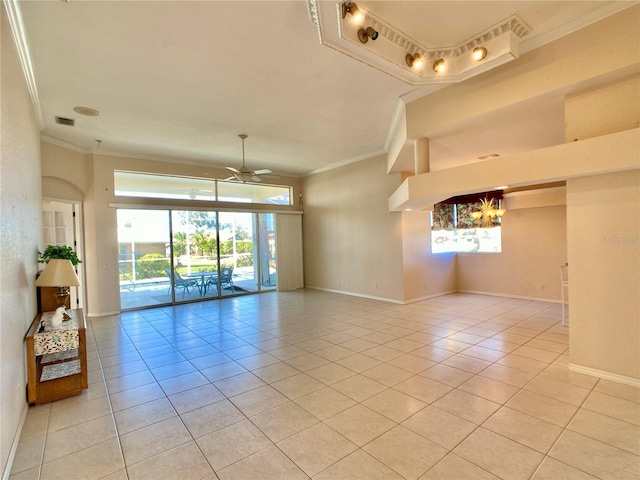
<point>177,256</point>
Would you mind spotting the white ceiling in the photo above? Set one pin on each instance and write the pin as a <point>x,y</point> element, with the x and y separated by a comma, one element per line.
<point>180,80</point>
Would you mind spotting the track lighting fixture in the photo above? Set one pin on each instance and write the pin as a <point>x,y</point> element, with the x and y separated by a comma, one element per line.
<point>352,8</point>
<point>364,34</point>
<point>414,61</point>
<point>479,53</point>
<point>440,66</point>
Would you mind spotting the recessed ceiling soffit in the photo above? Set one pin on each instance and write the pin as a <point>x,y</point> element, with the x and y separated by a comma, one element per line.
<point>392,49</point>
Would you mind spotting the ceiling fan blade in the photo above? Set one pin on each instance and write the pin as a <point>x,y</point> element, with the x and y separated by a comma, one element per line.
<point>234,170</point>
<point>256,178</point>
<point>262,171</point>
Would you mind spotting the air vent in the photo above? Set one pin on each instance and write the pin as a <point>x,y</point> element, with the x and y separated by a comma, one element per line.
<point>65,121</point>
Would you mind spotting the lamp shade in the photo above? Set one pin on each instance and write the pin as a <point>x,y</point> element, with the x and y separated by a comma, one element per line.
<point>58,273</point>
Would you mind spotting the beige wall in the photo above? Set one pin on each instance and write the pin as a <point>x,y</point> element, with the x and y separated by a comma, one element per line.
<point>92,180</point>
<point>425,275</point>
<point>534,245</point>
<point>20,203</point>
<point>352,243</point>
<point>604,263</point>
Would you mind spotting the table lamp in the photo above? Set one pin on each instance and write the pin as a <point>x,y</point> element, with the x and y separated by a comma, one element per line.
<point>59,273</point>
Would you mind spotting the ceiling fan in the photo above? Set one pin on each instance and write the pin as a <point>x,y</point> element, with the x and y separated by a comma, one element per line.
<point>244,174</point>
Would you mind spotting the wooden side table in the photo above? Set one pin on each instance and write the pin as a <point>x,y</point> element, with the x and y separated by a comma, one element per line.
<point>56,358</point>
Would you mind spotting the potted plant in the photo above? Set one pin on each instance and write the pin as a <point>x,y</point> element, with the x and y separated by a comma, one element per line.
<point>63,252</point>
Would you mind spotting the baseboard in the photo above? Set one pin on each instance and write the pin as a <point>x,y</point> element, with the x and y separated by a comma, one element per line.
<point>429,297</point>
<point>383,299</point>
<point>102,314</point>
<point>354,294</point>
<point>509,295</point>
<point>16,441</point>
<point>614,377</point>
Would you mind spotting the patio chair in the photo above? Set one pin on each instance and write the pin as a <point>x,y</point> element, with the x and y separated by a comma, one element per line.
<point>226,278</point>
<point>179,282</point>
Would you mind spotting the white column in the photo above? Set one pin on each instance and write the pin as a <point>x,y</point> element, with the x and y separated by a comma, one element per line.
<point>421,155</point>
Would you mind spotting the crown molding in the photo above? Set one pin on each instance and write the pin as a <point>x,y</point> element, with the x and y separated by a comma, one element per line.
<point>348,161</point>
<point>14,15</point>
<point>388,53</point>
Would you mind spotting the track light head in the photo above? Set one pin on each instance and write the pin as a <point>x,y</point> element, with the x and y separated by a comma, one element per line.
<point>479,53</point>
<point>364,34</point>
<point>440,66</point>
<point>352,8</point>
<point>414,61</point>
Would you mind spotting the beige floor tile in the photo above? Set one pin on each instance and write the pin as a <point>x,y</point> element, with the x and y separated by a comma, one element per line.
<point>239,384</point>
<point>270,464</point>
<point>30,474</point>
<point>433,353</point>
<point>144,415</point>
<point>195,398</point>
<point>500,345</point>
<point>358,344</point>
<point>620,390</point>
<point>325,403</point>
<point>394,405</point>
<point>422,388</point>
<point>360,424</point>
<point>405,452</point>
<point>387,374</point>
<point>467,406</point>
<point>614,407</point>
<point>440,427</point>
<point>185,462</point>
<point>512,376</point>
<point>359,387</point>
<point>525,429</point>
<point>231,444</point>
<point>536,353</point>
<point>307,362</point>
<point>135,396</point>
<point>259,400</point>
<point>468,364</point>
<point>552,469</point>
<point>358,362</point>
<point>172,370</point>
<point>260,360</point>
<point>35,425</point>
<point>152,440</point>
<point>283,421</point>
<point>276,371</point>
<point>316,448</point>
<point>483,353</point>
<point>546,408</point>
<point>330,373</point>
<point>559,390</point>
<point>411,363</point>
<point>548,345</point>
<point>95,462</point>
<point>383,353</point>
<point>358,466</point>
<point>79,437</point>
<point>447,375</point>
<point>210,418</point>
<point>499,455</point>
<point>404,344</point>
<point>298,385</point>
<point>453,467</point>
<point>119,475</point>
<point>65,417</point>
<point>133,380</point>
<point>596,458</point>
<point>29,454</point>
<point>523,363</point>
<point>623,435</point>
<point>490,389</point>
<point>182,383</point>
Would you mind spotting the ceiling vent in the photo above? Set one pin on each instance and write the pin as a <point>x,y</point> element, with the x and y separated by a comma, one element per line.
<point>65,121</point>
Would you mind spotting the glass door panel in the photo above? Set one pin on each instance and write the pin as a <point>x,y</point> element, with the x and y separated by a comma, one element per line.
<point>143,242</point>
<point>195,257</point>
<point>238,240</point>
<point>267,251</point>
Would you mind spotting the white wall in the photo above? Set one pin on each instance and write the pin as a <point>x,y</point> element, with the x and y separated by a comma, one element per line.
<point>20,203</point>
<point>604,272</point>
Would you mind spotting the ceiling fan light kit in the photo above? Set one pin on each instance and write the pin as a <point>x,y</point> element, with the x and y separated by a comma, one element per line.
<point>245,175</point>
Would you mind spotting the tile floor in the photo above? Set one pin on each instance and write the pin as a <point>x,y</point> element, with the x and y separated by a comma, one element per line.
<point>310,384</point>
